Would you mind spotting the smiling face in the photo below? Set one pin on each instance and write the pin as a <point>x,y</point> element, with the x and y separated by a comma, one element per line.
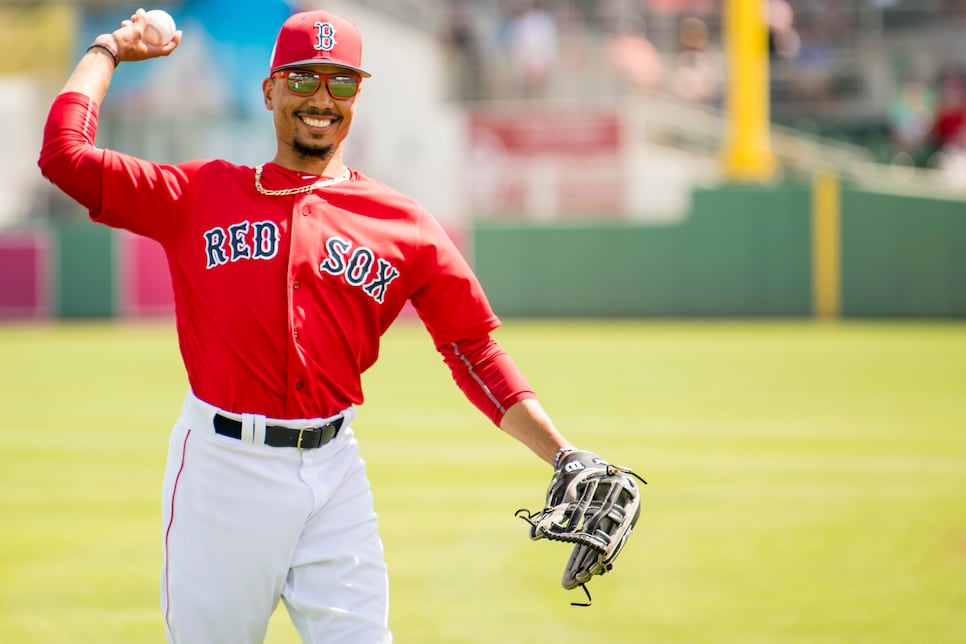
<point>309,130</point>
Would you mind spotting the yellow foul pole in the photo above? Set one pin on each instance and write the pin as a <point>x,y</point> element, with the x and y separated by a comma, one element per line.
<point>826,247</point>
<point>747,154</point>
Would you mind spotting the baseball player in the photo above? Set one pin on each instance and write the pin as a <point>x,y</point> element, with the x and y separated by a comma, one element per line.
<point>285,276</point>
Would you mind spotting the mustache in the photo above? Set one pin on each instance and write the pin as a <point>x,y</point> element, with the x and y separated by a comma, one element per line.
<point>329,114</point>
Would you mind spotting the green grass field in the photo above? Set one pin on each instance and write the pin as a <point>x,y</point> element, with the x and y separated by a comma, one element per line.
<point>807,484</point>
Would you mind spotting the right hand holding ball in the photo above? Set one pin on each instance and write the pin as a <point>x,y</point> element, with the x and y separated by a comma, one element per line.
<point>160,27</point>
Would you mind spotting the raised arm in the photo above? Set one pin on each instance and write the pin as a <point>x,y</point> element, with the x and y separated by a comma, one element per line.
<point>68,156</point>
<point>93,73</point>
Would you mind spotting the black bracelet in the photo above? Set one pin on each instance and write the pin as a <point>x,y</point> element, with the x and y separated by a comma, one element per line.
<point>108,49</point>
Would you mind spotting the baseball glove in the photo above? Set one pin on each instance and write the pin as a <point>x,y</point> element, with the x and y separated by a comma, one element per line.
<point>593,505</point>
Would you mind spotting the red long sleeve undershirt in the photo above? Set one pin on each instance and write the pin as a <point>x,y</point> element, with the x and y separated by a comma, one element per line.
<point>68,157</point>
<point>487,376</point>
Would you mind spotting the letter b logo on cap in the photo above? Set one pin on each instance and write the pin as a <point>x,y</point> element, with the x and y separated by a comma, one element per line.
<point>326,36</point>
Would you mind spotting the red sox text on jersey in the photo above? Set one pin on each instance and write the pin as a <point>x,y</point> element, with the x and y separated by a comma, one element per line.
<point>258,240</point>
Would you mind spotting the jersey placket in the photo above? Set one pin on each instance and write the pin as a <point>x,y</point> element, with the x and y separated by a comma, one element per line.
<point>305,234</point>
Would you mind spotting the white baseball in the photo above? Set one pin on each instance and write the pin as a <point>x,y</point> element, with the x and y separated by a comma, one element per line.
<point>160,28</point>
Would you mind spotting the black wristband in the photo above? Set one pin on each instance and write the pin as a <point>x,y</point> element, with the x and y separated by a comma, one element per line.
<point>109,49</point>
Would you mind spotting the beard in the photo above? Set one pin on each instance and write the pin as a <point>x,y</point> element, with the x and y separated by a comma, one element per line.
<point>309,151</point>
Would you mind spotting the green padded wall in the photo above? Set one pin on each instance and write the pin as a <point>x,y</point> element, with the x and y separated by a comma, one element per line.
<point>903,256</point>
<point>84,272</point>
<point>744,250</point>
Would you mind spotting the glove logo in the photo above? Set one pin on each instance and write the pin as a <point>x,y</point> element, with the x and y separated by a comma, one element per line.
<point>573,466</point>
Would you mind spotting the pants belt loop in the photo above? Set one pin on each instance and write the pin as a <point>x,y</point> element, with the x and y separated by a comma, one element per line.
<point>348,415</point>
<point>248,429</point>
<point>258,429</point>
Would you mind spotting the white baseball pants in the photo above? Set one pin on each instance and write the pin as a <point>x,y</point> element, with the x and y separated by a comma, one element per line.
<point>245,524</point>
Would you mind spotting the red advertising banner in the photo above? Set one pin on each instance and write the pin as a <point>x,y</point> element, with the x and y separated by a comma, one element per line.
<point>25,286</point>
<point>546,164</point>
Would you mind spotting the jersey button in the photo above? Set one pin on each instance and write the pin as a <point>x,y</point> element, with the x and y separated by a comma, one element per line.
<point>295,285</point>
<point>296,335</point>
<point>306,211</point>
<point>299,385</point>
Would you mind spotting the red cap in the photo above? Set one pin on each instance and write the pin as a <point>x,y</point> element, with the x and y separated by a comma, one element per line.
<point>318,38</point>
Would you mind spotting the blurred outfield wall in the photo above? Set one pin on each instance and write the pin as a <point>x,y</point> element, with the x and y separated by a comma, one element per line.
<point>742,251</point>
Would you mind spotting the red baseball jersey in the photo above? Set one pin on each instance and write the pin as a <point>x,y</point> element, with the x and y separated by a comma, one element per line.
<point>280,300</point>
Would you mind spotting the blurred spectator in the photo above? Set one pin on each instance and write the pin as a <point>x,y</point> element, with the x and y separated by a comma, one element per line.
<point>910,119</point>
<point>951,161</point>
<point>531,40</point>
<point>783,40</point>
<point>633,54</point>
<point>813,60</point>
<point>463,44</point>
<point>698,70</point>
<point>950,117</point>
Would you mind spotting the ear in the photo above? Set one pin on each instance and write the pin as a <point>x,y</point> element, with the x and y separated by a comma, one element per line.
<point>268,88</point>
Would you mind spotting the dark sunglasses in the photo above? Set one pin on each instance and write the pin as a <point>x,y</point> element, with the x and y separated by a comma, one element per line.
<point>305,83</point>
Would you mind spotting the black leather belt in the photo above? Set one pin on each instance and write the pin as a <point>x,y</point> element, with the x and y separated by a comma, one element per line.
<point>305,438</point>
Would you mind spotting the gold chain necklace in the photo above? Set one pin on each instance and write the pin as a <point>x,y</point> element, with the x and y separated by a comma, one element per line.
<point>321,183</point>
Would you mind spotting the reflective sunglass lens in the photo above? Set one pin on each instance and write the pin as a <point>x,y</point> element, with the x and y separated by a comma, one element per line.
<point>343,86</point>
<point>302,83</point>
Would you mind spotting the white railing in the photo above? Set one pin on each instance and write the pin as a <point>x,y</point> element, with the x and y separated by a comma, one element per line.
<point>703,130</point>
